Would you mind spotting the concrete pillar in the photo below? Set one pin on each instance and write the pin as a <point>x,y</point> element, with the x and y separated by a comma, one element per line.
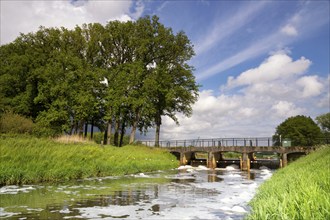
<point>211,163</point>
<point>284,160</point>
<point>245,162</point>
<point>183,160</point>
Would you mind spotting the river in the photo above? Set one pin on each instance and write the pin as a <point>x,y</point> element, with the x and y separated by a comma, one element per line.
<point>183,193</point>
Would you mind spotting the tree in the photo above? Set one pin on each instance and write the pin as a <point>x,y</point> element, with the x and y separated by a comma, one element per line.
<point>324,121</point>
<point>301,130</point>
<point>170,85</point>
<point>121,75</point>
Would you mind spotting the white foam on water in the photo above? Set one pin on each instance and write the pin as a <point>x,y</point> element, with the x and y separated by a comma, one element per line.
<point>13,189</point>
<point>231,167</point>
<point>200,167</point>
<point>232,175</point>
<point>111,211</point>
<point>4,214</point>
<point>141,175</point>
<point>238,209</point>
<point>65,211</point>
<point>185,167</point>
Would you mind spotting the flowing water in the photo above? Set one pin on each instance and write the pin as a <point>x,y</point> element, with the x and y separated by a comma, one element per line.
<point>184,193</point>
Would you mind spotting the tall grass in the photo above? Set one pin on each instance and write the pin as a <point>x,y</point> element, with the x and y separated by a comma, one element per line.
<point>298,191</point>
<point>29,160</point>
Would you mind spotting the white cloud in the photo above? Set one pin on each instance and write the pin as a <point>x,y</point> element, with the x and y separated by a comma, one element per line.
<point>261,104</point>
<point>289,30</point>
<point>277,66</point>
<point>27,16</point>
<point>311,86</point>
<point>286,109</point>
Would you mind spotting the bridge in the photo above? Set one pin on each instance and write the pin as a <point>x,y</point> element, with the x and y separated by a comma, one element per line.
<point>186,150</point>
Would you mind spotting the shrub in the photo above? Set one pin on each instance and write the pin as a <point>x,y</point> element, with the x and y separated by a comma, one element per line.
<point>14,123</point>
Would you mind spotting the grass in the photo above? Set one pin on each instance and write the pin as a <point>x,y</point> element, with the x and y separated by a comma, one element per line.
<point>26,159</point>
<point>298,191</point>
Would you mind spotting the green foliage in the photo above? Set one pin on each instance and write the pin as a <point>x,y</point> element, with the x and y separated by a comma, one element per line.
<point>301,130</point>
<point>32,160</point>
<point>298,191</point>
<point>324,122</point>
<point>14,123</point>
<point>123,74</point>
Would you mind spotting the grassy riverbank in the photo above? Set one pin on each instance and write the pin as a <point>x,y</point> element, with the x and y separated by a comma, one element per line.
<point>298,191</point>
<point>30,160</point>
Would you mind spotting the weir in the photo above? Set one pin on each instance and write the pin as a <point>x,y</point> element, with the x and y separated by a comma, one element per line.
<point>247,147</point>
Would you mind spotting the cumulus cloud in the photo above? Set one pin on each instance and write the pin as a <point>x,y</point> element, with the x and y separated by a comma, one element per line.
<point>286,109</point>
<point>27,16</point>
<point>255,102</point>
<point>311,86</point>
<point>277,66</point>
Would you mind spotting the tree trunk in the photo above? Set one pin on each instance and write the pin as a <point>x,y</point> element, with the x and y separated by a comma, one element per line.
<point>105,136</point>
<point>115,138</point>
<point>75,129</point>
<point>158,123</point>
<point>122,133</point>
<point>92,129</point>
<point>135,123</point>
<point>108,131</point>
<point>132,136</point>
<point>86,130</point>
<point>81,128</point>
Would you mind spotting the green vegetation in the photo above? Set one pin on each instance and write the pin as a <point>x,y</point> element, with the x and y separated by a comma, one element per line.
<point>298,191</point>
<point>115,76</point>
<point>324,122</point>
<point>30,160</point>
<point>301,130</point>
<point>14,123</point>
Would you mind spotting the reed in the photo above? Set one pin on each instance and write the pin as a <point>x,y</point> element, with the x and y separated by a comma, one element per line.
<point>30,160</point>
<point>299,191</point>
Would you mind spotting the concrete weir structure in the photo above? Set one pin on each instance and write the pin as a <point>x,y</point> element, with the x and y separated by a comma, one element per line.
<point>186,151</point>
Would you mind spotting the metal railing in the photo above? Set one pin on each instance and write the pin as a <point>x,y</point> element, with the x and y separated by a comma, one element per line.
<point>214,142</point>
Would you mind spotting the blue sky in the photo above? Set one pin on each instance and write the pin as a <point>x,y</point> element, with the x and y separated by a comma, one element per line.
<point>258,62</point>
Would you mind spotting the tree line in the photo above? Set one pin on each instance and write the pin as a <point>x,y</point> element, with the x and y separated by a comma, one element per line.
<point>115,76</point>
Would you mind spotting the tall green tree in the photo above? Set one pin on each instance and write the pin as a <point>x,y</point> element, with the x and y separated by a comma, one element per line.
<point>119,76</point>
<point>300,129</point>
<point>171,85</point>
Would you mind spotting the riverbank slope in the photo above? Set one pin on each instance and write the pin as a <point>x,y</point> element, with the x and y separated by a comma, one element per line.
<point>31,160</point>
<point>298,191</point>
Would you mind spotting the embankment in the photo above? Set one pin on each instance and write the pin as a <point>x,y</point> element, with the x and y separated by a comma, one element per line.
<point>26,160</point>
<point>298,191</point>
